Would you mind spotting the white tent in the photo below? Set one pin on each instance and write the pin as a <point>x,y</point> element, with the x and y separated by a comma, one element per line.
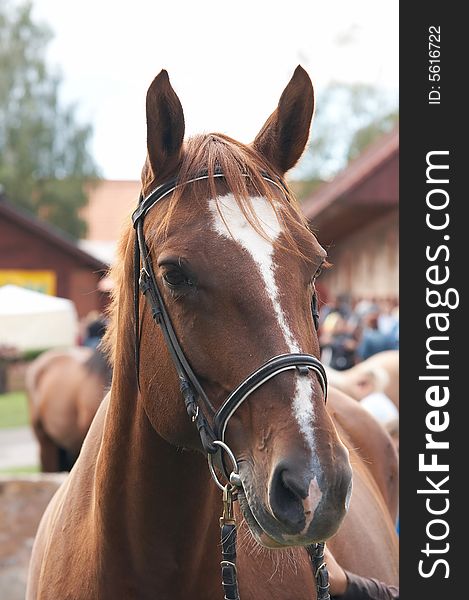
<point>34,321</point>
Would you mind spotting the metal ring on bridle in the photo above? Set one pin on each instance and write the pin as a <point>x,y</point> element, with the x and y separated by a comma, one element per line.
<point>232,457</point>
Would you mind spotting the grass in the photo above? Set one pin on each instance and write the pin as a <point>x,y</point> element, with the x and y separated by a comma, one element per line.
<point>13,410</point>
<point>20,470</point>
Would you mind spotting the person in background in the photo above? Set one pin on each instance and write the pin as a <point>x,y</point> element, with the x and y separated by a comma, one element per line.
<point>338,342</point>
<point>344,585</point>
<point>344,305</point>
<point>94,330</point>
<point>325,309</point>
<point>373,340</point>
<point>361,307</point>
<point>388,321</point>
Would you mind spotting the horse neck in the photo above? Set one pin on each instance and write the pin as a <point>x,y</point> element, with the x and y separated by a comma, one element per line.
<point>156,502</point>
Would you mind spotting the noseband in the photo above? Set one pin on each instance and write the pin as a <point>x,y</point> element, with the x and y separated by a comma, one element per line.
<point>197,403</point>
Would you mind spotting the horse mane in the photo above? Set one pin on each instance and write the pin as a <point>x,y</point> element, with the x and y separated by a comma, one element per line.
<point>242,167</point>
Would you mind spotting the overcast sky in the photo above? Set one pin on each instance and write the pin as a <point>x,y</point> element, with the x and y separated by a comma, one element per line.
<point>228,61</point>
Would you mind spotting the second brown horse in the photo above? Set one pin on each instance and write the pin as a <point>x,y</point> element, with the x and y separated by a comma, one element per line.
<point>65,389</point>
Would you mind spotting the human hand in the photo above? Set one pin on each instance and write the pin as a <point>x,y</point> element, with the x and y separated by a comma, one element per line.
<point>337,578</point>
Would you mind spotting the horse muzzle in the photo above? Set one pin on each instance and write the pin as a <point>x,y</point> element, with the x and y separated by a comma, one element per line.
<point>301,506</point>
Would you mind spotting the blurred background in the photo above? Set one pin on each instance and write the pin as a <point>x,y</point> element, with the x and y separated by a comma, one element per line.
<point>73,79</point>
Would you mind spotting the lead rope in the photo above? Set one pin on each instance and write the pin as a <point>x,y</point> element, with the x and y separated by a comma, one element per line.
<point>229,576</point>
<point>321,574</point>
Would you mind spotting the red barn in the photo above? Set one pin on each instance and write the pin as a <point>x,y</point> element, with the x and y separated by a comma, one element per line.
<point>356,217</point>
<point>36,255</point>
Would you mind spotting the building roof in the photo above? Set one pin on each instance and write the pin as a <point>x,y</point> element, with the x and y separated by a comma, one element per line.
<point>364,191</point>
<point>110,204</point>
<point>53,235</point>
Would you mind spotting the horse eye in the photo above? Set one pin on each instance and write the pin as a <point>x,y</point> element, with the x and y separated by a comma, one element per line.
<point>175,278</point>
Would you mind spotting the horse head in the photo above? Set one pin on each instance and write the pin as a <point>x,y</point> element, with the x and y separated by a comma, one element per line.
<point>235,264</point>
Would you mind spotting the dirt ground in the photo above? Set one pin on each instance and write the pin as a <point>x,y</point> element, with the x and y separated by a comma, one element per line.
<point>23,499</point>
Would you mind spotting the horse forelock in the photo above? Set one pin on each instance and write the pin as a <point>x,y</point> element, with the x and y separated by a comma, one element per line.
<point>243,168</point>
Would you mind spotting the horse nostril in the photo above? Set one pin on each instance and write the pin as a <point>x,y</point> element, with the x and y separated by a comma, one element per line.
<point>298,487</point>
<point>287,490</point>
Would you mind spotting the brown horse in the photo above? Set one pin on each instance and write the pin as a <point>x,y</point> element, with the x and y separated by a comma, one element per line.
<point>65,388</point>
<point>235,263</point>
<point>383,367</point>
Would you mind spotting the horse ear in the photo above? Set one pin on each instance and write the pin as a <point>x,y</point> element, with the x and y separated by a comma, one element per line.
<point>165,127</point>
<point>285,134</point>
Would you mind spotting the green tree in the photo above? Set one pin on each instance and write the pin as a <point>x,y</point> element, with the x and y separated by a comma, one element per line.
<point>365,136</point>
<point>45,163</point>
<point>348,118</point>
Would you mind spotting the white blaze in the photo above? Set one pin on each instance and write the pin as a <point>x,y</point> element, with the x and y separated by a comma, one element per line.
<point>232,224</point>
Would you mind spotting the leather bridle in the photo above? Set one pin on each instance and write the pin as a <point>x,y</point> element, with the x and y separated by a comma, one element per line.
<point>198,405</point>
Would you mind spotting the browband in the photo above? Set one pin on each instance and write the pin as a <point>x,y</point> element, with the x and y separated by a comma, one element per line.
<point>163,190</point>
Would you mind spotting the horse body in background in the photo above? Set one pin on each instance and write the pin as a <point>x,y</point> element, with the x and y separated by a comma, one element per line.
<point>65,389</point>
<point>382,367</point>
<point>138,515</point>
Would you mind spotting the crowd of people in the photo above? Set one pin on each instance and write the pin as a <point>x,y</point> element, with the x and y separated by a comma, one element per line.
<point>353,330</point>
